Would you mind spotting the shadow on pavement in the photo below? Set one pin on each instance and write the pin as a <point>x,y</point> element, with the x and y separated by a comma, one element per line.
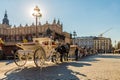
<point>90,58</point>
<point>7,61</point>
<point>55,72</point>
<point>96,57</point>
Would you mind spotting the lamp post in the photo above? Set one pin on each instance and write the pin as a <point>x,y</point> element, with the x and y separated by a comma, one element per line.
<point>36,14</point>
<point>74,34</point>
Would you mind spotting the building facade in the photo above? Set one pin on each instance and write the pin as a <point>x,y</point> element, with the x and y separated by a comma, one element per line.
<point>18,33</point>
<point>83,42</point>
<point>100,44</point>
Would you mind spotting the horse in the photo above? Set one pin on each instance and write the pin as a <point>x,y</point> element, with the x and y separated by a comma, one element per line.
<point>64,51</point>
<point>67,49</point>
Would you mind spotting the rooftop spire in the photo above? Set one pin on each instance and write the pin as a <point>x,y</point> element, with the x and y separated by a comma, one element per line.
<point>54,21</point>
<point>58,21</point>
<point>5,19</point>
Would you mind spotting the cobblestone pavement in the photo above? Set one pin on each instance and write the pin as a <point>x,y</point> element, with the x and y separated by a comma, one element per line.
<point>96,67</point>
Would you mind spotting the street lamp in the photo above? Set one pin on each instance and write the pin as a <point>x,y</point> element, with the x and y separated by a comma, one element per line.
<point>74,34</point>
<point>36,14</point>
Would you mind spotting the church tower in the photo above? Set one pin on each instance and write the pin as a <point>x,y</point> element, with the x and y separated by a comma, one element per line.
<point>5,19</point>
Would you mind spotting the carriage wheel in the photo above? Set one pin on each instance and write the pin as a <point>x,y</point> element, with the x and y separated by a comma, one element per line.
<point>56,57</point>
<point>20,59</point>
<point>39,57</point>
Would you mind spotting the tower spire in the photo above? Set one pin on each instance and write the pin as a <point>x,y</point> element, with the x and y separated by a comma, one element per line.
<point>54,21</point>
<point>5,19</point>
<point>58,22</point>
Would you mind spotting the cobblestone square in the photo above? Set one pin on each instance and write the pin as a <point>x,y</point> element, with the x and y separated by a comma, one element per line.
<point>96,67</point>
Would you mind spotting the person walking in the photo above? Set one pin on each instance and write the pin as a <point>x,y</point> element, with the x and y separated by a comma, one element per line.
<point>76,53</point>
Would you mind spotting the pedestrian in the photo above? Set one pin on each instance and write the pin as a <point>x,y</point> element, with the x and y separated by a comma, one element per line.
<point>76,53</point>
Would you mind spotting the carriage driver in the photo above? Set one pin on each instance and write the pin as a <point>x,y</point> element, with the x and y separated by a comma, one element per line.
<point>76,52</point>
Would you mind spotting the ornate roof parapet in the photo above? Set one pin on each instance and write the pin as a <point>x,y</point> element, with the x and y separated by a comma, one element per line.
<point>26,25</point>
<point>39,23</point>
<point>14,26</point>
<point>46,22</point>
<point>20,25</point>
<point>32,24</point>
<point>54,21</point>
<point>58,22</point>
<point>62,25</point>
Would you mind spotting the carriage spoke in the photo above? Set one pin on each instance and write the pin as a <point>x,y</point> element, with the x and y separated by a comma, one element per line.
<point>56,57</point>
<point>20,59</point>
<point>39,57</point>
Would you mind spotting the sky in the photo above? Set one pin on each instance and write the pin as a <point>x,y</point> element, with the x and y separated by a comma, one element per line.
<point>86,17</point>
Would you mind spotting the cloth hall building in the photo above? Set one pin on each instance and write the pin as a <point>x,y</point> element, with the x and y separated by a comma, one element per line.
<point>18,33</point>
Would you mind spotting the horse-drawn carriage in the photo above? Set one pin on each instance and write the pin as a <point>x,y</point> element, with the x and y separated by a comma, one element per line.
<point>72,51</point>
<point>40,50</point>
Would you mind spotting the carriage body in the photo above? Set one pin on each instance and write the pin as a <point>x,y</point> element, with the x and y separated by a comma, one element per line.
<point>38,50</point>
<point>47,44</point>
<point>72,50</point>
<point>26,49</point>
